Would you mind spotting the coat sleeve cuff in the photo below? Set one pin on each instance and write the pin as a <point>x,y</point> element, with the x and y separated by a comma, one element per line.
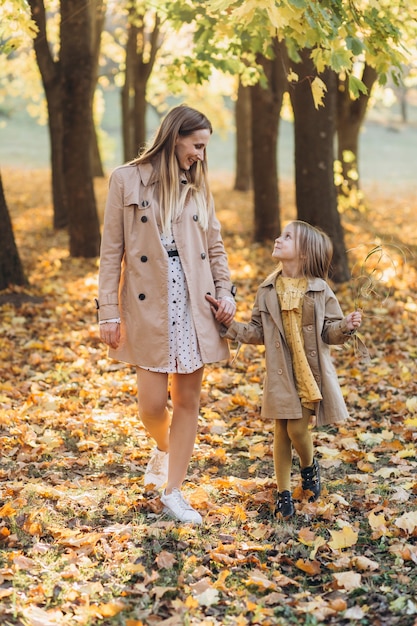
<point>345,330</point>
<point>108,312</point>
<point>225,289</point>
<point>228,333</point>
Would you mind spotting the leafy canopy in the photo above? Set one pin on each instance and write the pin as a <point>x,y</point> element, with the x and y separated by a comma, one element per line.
<point>230,33</point>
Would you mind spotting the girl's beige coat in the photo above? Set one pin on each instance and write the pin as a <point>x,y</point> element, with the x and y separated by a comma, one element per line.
<point>322,324</point>
<point>133,275</point>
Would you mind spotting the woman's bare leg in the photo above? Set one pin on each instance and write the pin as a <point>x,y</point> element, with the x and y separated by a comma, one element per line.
<point>185,396</point>
<point>152,404</point>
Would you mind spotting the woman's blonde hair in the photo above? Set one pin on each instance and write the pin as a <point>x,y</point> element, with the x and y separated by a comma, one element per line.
<point>315,250</point>
<point>180,121</point>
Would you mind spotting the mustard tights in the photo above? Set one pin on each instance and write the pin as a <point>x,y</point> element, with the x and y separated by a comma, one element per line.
<point>289,433</point>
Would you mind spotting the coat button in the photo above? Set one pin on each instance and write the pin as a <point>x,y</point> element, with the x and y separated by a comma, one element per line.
<point>141,296</point>
<point>203,255</point>
<point>277,344</point>
<point>309,327</point>
<point>144,218</point>
<point>143,258</point>
<point>279,372</point>
<point>144,203</point>
<point>195,218</point>
<point>313,353</point>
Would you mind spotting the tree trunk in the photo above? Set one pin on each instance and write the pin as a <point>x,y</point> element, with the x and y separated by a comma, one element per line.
<point>130,150</point>
<point>314,130</point>
<point>98,14</point>
<point>350,117</point>
<point>59,190</point>
<point>95,156</point>
<point>141,49</point>
<point>50,71</point>
<point>140,104</point>
<point>11,270</point>
<point>243,180</point>
<point>78,76</point>
<point>266,108</point>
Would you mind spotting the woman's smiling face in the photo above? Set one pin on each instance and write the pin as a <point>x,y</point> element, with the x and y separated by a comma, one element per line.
<point>191,148</point>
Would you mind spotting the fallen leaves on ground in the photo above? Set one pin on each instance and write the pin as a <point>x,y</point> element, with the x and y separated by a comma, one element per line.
<point>84,543</point>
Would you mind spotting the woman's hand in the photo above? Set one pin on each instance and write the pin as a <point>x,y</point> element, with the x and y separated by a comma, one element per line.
<point>223,310</point>
<point>110,334</point>
<point>353,320</point>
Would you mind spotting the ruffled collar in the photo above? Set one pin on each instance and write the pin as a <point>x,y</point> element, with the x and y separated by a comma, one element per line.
<point>290,292</point>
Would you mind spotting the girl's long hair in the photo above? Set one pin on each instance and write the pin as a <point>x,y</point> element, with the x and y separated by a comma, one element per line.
<point>181,120</point>
<point>315,250</point>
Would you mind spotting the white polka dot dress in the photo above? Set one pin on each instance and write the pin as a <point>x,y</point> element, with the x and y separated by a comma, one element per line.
<point>184,353</point>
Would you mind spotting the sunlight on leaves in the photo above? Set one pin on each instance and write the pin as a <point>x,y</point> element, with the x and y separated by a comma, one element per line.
<point>83,541</point>
<point>345,538</point>
<point>310,567</point>
<point>318,90</point>
<point>348,580</point>
<point>259,579</point>
<point>378,524</point>
<point>165,559</point>
<point>407,522</point>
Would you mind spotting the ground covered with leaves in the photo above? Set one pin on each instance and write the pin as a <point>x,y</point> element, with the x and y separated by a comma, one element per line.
<point>82,542</point>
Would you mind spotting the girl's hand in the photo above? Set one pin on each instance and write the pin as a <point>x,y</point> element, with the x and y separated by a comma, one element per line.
<point>223,310</point>
<point>353,320</point>
<point>110,334</point>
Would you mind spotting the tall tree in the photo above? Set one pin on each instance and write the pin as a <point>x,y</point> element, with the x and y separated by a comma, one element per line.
<point>142,45</point>
<point>11,269</point>
<point>77,84</point>
<point>266,103</point>
<point>98,14</point>
<point>314,129</point>
<point>350,116</point>
<point>335,34</point>
<point>243,116</point>
<point>51,69</point>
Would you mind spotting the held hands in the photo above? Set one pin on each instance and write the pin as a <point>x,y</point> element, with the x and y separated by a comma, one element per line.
<point>110,334</point>
<point>223,310</point>
<point>353,320</point>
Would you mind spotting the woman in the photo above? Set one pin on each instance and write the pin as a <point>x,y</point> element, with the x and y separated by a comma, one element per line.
<point>161,253</point>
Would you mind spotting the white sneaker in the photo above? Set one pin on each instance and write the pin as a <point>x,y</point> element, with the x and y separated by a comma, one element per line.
<point>176,506</point>
<point>156,472</point>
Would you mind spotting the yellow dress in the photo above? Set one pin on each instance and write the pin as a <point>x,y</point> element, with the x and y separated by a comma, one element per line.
<point>290,293</point>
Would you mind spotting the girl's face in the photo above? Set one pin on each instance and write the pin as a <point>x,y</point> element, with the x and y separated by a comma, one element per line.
<point>285,248</point>
<point>191,148</point>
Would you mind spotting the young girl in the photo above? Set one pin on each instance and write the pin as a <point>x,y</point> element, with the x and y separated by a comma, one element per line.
<point>297,316</point>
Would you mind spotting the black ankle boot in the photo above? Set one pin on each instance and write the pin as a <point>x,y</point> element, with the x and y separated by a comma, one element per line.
<point>285,505</point>
<point>311,480</point>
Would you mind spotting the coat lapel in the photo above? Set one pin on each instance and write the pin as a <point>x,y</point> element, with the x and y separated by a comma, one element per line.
<point>271,300</point>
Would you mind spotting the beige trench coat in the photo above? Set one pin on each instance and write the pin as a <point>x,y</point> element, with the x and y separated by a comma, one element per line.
<point>133,274</point>
<point>322,325</point>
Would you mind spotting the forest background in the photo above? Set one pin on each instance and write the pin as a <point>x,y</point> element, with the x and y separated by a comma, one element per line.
<point>83,542</point>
